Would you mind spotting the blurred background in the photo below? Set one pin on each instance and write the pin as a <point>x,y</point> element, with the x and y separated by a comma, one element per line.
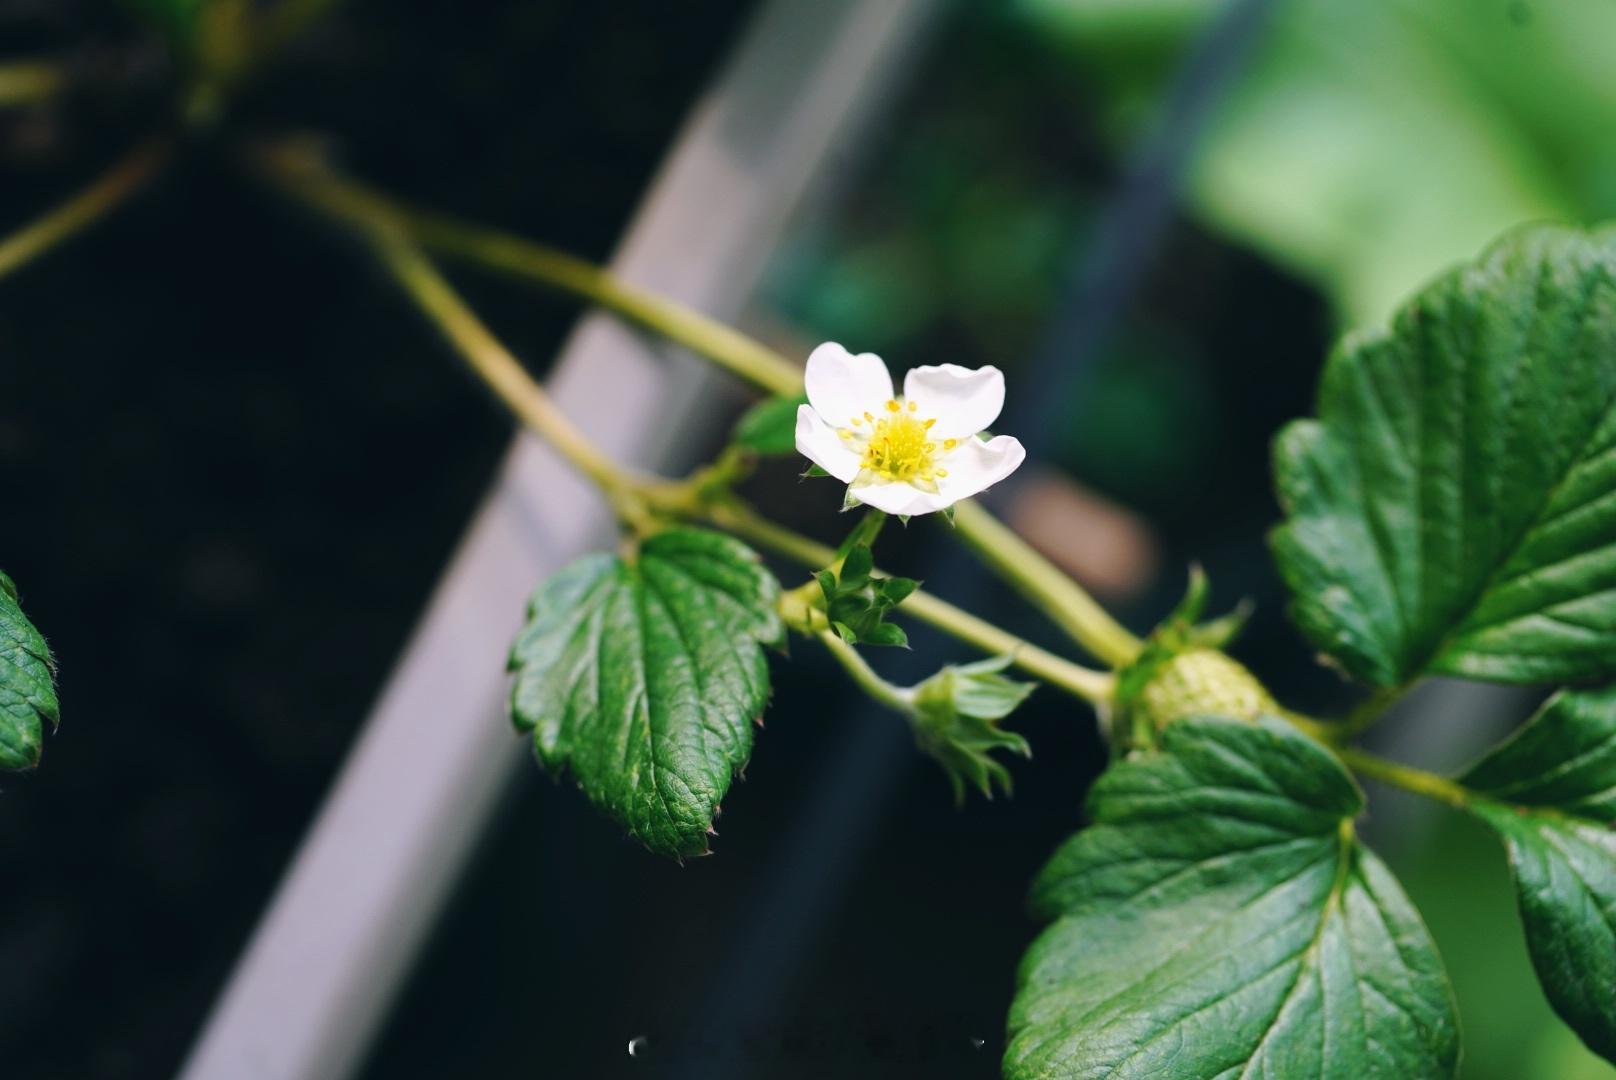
<point>235,463</point>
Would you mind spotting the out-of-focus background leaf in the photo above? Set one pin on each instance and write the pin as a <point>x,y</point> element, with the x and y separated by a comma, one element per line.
<point>1369,143</point>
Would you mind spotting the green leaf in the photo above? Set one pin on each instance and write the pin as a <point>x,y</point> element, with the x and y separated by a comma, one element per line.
<point>1453,508</point>
<point>770,426</point>
<point>27,684</point>
<point>1364,147</point>
<point>1550,792</point>
<point>1219,919</point>
<point>644,678</point>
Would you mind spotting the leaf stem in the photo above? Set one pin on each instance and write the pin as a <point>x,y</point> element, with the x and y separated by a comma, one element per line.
<point>85,208</point>
<point>885,693</point>
<point>1406,777</point>
<point>24,82</point>
<point>1039,580</point>
<point>1365,715</point>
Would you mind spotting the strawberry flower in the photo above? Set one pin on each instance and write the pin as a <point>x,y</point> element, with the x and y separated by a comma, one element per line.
<point>906,455</point>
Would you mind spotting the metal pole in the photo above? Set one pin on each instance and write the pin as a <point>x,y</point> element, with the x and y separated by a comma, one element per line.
<point>419,786</point>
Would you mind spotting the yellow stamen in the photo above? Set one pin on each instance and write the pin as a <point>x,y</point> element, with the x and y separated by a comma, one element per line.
<point>913,406</point>
<point>949,444</point>
<point>898,449</point>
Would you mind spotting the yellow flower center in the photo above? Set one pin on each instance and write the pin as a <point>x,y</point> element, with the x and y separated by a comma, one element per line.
<point>898,446</point>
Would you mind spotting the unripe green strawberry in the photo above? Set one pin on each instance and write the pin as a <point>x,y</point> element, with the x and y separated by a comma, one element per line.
<point>1200,682</point>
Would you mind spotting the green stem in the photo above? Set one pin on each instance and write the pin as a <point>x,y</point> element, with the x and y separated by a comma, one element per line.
<point>1366,715</point>
<point>24,82</point>
<point>1406,777</point>
<point>83,209</point>
<point>1094,686</point>
<point>892,696</point>
<point>496,366</point>
<point>1039,580</point>
<point>634,497</point>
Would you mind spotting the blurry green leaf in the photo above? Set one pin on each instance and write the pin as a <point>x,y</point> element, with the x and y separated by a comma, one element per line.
<point>645,677</point>
<point>1219,919</point>
<point>1368,144</point>
<point>956,722</point>
<point>1453,509</point>
<point>770,426</point>
<point>176,19</point>
<point>27,684</point>
<point>1550,792</point>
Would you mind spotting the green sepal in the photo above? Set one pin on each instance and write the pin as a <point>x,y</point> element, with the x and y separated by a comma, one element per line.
<point>857,602</point>
<point>1182,671</point>
<point>644,679</point>
<point>956,722</point>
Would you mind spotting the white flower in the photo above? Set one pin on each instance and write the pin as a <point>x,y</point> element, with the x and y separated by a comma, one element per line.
<point>909,455</point>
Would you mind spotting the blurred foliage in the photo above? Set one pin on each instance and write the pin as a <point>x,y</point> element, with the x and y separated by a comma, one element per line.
<point>1370,143</point>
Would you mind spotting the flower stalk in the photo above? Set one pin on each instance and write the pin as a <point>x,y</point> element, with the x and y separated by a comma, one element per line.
<point>639,500</point>
<point>81,211</point>
<point>1039,580</point>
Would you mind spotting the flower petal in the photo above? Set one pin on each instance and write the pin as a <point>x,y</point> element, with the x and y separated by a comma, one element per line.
<point>896,497</point>
<point>818,442</point>
<point>976,466</point>
<point>842,386</point>
<point>962,400</point>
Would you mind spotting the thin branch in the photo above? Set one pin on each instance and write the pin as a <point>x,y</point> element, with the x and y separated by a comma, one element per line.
<point>1039,580</point>
<point>85,208</point>
<point>1407,777</point>
<point>26,82</point>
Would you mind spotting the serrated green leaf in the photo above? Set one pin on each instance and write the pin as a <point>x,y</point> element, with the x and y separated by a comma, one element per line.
<point>770,426</point>
<point>644,679</point>
<point>1453,509</point>
<point>1219,919</point>
<point>1550,792</point>
<point>27,684</point>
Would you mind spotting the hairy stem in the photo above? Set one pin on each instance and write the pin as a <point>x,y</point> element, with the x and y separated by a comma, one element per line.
<point>888,694</point>
<point>1406,777</point>
<point>634,497</point>
<point>85,208</point>
<point>1039,580</point>
<point>490,360</point>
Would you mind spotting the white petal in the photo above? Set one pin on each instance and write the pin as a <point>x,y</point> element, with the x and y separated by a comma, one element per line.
<point>818,442</point>
<point>899,498</point>
<point>975,466</point>
<point>842,386</point>
<point>963,401</point>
